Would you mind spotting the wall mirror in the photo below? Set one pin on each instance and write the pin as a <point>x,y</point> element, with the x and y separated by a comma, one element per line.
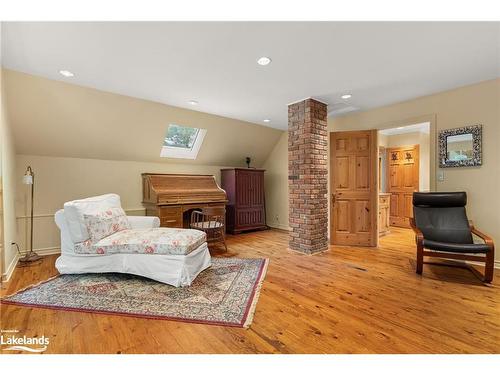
<point>460,147</point>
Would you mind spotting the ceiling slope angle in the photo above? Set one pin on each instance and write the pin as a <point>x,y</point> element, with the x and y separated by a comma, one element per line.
<point>215,64</point>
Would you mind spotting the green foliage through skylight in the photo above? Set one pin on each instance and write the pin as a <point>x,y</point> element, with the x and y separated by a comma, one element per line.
<point>180,136</point>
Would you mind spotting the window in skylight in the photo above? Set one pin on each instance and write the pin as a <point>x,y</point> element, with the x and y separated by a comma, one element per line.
<point>182,142</point>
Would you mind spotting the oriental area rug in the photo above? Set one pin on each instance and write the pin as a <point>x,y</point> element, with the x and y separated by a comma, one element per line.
<point>224,294</point>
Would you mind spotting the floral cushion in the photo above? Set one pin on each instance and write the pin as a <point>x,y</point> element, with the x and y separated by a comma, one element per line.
<point>104,223</point>
<point>206,225</point>
<point>146,241</point>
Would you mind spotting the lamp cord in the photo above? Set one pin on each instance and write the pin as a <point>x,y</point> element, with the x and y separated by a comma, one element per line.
<point>17,246</point>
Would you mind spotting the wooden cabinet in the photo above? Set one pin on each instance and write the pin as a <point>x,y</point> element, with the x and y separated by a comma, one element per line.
<point>384,212</point>
<point>402,181</point>
<point>246,201</point>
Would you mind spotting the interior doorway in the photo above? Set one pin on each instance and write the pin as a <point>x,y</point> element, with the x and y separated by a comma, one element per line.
<point>404,167</point>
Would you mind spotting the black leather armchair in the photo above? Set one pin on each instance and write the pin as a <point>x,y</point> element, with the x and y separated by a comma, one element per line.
<point>443,230</point>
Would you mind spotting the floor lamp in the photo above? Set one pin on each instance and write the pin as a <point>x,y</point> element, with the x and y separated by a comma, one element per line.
<point>29,179</point>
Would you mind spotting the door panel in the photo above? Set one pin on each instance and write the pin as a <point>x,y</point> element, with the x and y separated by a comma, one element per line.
<point>354,185</point>
<point>402,181</point>
<point>344,215</point>
<point>408,205</point>
<point>362,172</point>
<point>393,177</point>
<point>341,171</point>
<point>394,204</point>
<point>407,172</point>
<point>362,219</point>
<point>341,144</point>
<point>363,143</point>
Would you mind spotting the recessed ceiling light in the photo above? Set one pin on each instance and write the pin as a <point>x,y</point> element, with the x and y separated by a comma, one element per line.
<point>346,96</point>
<point>66,73</point>
<point>193,102</point>
<point>264,61</point>
<point>266,120</point>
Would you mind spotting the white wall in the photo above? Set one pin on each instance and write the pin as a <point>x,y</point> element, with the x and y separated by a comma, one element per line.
<point>8,186</point>
<point>276,185</point>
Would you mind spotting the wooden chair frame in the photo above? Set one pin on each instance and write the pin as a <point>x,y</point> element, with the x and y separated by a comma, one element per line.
<point>207,216</point>
<point>488,259</point>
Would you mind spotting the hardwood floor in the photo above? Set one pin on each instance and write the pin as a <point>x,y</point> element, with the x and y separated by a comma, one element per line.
<point>346,300</point>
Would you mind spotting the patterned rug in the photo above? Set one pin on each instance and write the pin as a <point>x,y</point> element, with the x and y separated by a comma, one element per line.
<point>225,294</point>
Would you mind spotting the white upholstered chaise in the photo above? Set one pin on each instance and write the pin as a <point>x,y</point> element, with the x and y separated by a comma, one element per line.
<point>171,256</point>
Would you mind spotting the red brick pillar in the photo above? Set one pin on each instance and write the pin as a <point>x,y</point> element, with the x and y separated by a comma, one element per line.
<point>307,176</point>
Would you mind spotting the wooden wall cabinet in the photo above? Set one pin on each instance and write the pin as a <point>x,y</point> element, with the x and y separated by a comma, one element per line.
<point>246,208</point>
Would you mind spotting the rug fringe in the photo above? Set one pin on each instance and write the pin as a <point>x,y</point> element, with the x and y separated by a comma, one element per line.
<point>29,287</point>
<point>253,306</point>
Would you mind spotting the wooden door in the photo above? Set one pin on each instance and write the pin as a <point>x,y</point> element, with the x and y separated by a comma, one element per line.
<point>354,188</point>
<point>402,181</point>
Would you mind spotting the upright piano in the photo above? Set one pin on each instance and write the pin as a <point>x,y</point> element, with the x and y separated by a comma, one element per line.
<point>172,197</point>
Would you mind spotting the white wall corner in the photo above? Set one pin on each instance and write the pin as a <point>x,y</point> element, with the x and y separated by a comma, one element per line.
<point>10,268</point>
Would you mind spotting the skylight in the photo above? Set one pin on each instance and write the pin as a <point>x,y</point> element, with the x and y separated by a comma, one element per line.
<point>182,142</point>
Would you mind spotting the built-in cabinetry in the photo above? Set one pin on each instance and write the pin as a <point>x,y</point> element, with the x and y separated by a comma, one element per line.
<point>384,213</point>
<point>246,208</point>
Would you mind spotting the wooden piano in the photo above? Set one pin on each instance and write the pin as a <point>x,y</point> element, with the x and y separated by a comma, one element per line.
<point>172,197</point>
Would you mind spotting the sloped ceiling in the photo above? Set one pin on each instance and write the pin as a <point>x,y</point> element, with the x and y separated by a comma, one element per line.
<point>215,63</point>
<point>53,118</point>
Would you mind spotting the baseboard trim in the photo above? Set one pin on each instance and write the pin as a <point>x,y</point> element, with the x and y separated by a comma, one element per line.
<point>47,250</point>
<point>496,265</point>
<point>279,226</point>
<point>10,269</point>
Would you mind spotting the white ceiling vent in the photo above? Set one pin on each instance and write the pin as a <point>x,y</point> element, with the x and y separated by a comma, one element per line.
<point>337,109</point>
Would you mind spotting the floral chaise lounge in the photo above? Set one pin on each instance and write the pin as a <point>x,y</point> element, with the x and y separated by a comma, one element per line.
<point>97,236</point>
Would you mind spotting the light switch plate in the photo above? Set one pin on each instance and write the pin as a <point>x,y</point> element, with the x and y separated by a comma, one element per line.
<point>441,176</point>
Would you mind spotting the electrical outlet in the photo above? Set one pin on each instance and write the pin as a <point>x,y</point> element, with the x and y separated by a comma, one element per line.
<point>277,219</point>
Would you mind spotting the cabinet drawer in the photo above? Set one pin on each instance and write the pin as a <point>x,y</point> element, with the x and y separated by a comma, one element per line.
<point>171,222</point>
<point>170,211</point>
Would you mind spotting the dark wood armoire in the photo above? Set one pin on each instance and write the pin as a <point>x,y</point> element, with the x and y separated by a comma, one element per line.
<point>245,208</point>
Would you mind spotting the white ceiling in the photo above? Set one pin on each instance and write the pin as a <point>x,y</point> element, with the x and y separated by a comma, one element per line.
<point>214,63</point>
<point>423,127</point>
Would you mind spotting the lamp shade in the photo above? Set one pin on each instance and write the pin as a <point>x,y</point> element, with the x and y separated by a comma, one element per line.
<point>28,179</point>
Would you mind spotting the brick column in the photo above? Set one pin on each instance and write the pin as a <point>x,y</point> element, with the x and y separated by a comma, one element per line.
<point>307,176</point>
